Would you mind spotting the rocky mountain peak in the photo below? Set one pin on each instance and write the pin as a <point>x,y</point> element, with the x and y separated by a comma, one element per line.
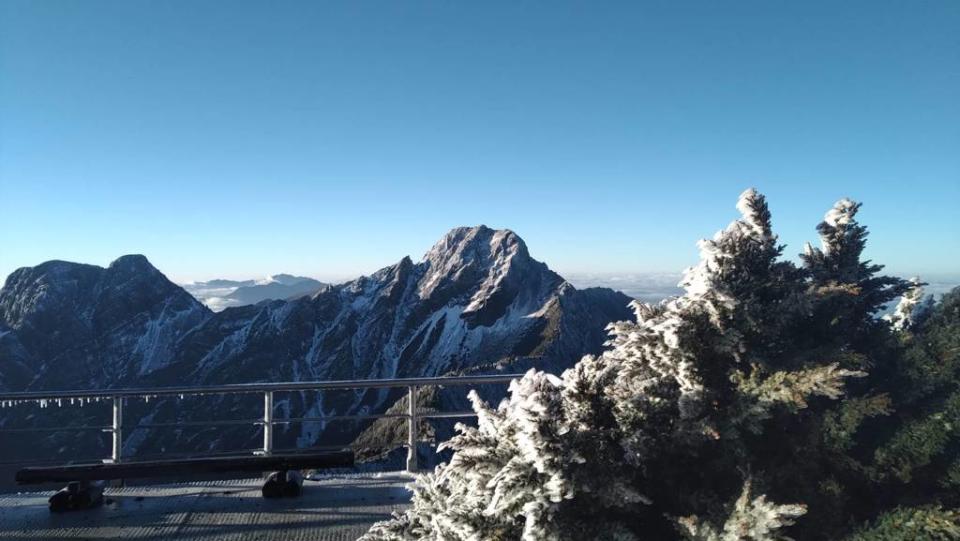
<point>132,263</point>
<point>474,256</point>
<point>85,323</point>
<point>133,282</point>
<point>53,286</point>
<point>466,244</point>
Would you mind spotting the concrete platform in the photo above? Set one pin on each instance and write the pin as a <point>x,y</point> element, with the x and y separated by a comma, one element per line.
<point>333,508</point>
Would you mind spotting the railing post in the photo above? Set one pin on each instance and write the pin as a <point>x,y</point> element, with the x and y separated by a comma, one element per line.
<point>117,430</point>
<point>267,422</point>
<point>412,429</point>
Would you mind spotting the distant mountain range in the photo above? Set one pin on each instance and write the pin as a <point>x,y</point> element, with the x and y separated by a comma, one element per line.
<point>476,303</point>
<point>220,294</point>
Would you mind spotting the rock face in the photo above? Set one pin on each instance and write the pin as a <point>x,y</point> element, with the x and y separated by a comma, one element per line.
<point>477,300</point>
<point>66,325</point>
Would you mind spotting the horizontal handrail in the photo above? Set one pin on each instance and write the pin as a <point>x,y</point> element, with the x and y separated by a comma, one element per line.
<point>235,388</point>
<point>247,422</point>
<point>65,428</point>
<point>117,397</point>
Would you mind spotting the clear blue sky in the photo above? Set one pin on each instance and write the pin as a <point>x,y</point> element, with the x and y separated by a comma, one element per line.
<point>238,139</point>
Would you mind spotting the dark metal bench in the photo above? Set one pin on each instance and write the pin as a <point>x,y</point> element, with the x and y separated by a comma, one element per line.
<point>85,481</point>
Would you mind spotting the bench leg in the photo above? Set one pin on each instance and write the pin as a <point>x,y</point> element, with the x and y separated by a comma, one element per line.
<point>283,484</point>
<point>77,495</point>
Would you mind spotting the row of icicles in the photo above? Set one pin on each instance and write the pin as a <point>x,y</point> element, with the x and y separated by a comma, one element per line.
<point>46,402</point>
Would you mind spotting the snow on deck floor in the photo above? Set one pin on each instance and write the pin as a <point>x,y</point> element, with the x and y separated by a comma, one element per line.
<point>333,508</point>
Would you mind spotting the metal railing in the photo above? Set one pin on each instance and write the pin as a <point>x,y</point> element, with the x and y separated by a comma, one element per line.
<point>118,396</point>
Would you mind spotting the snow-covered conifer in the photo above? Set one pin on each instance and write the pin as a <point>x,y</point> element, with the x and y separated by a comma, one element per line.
<point>656,426</point>
<point>845,286</point>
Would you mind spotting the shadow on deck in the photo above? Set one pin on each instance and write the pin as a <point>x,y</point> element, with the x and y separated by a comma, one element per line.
<point>332,508</point>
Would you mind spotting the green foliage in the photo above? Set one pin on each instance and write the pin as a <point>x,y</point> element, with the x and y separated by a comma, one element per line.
<point>840,425</point>
<point>932,360</point>
<point>951,480</point>
<point>915,457</point>
<point>918,442</point>
<point>912,524</point>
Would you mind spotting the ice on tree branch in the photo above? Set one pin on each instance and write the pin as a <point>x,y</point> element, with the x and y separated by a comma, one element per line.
<point>753,206</point>
<point>912,308</point>
<point>793,388</point>
<point>761,393</point>
<point>722,258</point>
<point>751,519</point>
<point>842,213</point>
<point>842,282</point>
<point>838,229</point>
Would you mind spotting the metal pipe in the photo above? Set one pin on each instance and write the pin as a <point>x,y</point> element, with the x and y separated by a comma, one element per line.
<point>117,429</point>
<point>226,422</point>
<point>259,387</point>
<point>447,415</point>
<point>291,420</point>
<point>244,422</point>
<point>268,422</point>
<point>106,428</point>
<point>412,429</point>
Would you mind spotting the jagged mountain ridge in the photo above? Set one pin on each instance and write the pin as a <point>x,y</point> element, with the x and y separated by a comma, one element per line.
<point>71,325</point>
<point>476,299</point>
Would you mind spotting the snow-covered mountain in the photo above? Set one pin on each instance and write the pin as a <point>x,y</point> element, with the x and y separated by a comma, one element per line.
<point>68,325</point>
<point>219,294</point>
<point>476,302</point>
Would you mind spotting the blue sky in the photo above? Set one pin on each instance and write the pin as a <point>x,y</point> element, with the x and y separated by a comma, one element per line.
<point>238,139</point>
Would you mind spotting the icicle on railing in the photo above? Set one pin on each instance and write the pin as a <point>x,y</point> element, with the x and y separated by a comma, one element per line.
<point>85,400</point>
<point>48,402</point>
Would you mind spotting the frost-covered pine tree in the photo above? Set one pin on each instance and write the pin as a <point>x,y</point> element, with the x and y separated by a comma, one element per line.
<point>847,290</point>
<point>663,425</point>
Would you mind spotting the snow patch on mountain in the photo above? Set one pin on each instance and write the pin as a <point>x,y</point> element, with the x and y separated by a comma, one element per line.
<point>159,338</point>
